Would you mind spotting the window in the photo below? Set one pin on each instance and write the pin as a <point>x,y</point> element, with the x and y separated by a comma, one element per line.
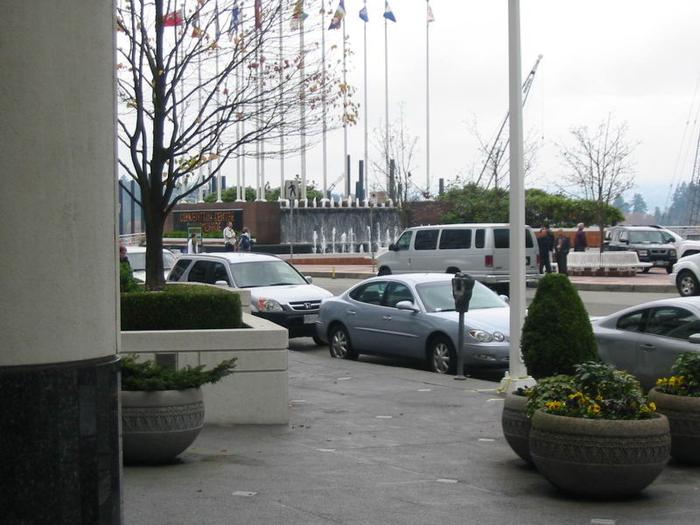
<point>220,274</point>
<point>528,239</point>
<point>404,241</point>
<point>670,321</point>
<point>198,273</point>
<point>264,273</point>
<point>426,240</point>
<point>631,322</point>
<point>437,297</point>
<point>371,293</point>
<point>398,292</point>
<point>179,269</point>
<point>501,238</point>
<point>455,239</point>
<point>479,239</point>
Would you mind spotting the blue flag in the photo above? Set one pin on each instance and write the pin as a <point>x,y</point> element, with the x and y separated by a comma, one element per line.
<point>235,20</point>
<point>388,13</point>
<point>363,14</point>
<point>338,16</point>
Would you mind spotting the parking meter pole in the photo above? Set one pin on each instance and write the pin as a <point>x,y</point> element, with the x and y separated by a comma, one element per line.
<point>291,229</point>
<point>460,349</point>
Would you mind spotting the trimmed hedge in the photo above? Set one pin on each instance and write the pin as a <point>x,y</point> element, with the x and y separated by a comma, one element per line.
<point>181,307</point>
<point>557,333</point>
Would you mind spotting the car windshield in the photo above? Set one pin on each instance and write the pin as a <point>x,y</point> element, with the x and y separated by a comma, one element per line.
<point>138,261</point>
<point>650,237</point>
<point>437,297</point>
<point>264,273</point>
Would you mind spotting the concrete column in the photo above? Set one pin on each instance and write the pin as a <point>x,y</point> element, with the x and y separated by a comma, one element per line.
<point>59,452</point>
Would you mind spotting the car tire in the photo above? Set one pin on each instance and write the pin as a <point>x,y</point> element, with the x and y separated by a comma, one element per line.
<point>318,341</point>
<point>669,269</point>
<point>442,358</point>
<point>646,270</point>
<point>339,343</point>
<point>687,284</point>
<point>452,270</point>
<point>384,270</point>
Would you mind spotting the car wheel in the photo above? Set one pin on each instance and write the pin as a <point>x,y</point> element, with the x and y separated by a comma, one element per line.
<point>318,341</point>
<point>687,284</point>
<point>339,343</point>
<point>441,355</point>
<point>384,270</point>
<point>452,270</point>
<point>646,270</point>
<point>669,269</point>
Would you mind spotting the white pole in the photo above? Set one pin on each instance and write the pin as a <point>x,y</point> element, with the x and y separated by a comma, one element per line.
<point>218,103</point>
<point>323,99</point>
<point>427,96</point>
<point>200,191</point>
<point>240,129</point>
<point>366,182</point>
<point>345,122</point>
<point>517,192</point>
<point>386,100</point>
<point>302,109</point>
<point>281,78</point>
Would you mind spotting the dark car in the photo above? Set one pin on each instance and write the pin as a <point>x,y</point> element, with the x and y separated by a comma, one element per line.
<point>652,245</point>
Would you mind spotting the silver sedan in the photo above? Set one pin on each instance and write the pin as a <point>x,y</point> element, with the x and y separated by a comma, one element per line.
<point>413,316</point>
<point>646,339</point>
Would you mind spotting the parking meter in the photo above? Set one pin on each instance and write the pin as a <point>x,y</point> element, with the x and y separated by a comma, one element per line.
<point>462,287</point>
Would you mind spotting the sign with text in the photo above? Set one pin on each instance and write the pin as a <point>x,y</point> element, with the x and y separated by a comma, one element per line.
<point>208,220</point>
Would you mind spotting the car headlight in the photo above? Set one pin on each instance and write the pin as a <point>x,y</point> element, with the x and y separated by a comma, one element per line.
<point>481,336</point>
<point>672,253</point>
<point>499,337</point>
<point>269,305</point>
<point>643,253</point>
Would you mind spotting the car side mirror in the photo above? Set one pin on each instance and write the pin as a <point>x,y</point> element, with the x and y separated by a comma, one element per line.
<point>221,283</point>
<point>394,247</point>
<point>409,306</point>
<point>694,338</point>
<point>505,298</point>
<point>309,279</point>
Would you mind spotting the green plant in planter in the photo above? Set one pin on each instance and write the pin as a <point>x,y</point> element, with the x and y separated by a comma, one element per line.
<point>685,380</point>
<point>557,333</point>
<point>149,376</point>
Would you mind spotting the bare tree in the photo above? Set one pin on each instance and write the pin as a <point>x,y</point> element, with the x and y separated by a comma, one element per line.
<point>401,149</point>
<point>600,164</point>
<point>195,87</point>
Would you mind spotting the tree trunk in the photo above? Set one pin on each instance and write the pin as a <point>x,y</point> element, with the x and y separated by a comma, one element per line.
<point>155,220</point>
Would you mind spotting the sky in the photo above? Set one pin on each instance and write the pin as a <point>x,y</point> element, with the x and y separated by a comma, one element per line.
<point>637,60</point>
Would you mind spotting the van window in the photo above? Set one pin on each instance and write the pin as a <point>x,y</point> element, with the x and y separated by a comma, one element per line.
<point>501,238</point>
<point>455,239</point>
<point>479,239</point>
<point>404,241</point>
<point>426,240</point>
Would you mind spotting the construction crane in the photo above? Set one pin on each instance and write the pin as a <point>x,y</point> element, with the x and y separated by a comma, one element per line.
<point>495,151</point>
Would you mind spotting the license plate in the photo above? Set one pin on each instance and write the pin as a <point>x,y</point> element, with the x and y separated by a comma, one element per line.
<point>311,318</point>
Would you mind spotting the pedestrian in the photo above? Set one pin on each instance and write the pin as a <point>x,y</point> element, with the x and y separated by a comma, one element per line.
<point>229,237</point>
<point>545,243</point>
<point>580,243</point>
<point>245,243</point>
<point>561,251</point>
<point>124,259</point>
<point>192,246</point>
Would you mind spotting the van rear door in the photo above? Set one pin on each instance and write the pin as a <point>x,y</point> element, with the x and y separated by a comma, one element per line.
<point>501,250</point>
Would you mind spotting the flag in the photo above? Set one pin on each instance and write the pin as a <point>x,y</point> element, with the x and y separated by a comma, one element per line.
<point>431,17</point>
<point>173,19</point>
<point>298,14</point>
<point>196,30</point>
<point>235,20</point>
<point>338,16</point>
<point>363,14</point>
<point>388,13</point>
<point>217,26</point>
<point>258,14</point>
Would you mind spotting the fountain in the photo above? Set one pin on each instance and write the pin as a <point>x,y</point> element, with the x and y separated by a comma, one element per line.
<point>351,236</point>
<point>343,242</point>
<point>323,241</point>
<point>396,233</point>
<point>388,237</point>
<point>333,240</point>
<point>315,238</point>
<point>369,238</point>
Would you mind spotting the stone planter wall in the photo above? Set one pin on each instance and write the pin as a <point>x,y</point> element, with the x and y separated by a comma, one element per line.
<point>256,393</point>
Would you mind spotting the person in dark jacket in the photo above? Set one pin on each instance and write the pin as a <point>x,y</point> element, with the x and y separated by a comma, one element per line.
<point>545,242</point>
<point>561,251</point>
<point>580,243</point>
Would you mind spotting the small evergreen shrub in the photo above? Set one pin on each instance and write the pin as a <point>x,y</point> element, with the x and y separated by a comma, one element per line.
<point>181,307</point>
<point>557,333</point>
<point>148,375</point>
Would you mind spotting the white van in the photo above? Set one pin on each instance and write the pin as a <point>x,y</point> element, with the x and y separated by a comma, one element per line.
<point>481,250</point>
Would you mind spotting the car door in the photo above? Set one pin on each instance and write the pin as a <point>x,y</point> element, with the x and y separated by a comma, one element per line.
<point>424,257</point>
<point>401,262</point>
<point>618,340</point>
<point>665,336</point>
<point>400,333</point>
<point>363,315</point>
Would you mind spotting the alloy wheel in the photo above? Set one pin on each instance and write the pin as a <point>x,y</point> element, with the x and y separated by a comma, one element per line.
<point>441,357</point>
<point>339,344</point>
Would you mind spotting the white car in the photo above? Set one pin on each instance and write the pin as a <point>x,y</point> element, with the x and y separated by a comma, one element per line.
<point>278,292</point>
<point>137,260</point>
<point>686,275</point>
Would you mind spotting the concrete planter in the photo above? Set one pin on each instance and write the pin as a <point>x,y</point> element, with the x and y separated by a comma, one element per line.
<point>683,415</point>
<point>158,425</point>
<point>599,458</point>
<point>516,425</point>
<point>257,391</point>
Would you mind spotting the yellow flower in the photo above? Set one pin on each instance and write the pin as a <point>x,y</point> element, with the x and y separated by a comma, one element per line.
<point>652,406</point>
<point>594,408</point>
<point>553,405</point>
<point>662,381</point>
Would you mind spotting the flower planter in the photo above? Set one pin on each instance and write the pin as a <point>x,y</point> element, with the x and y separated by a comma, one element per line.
<point>599,458</point>
<point>516,425</point>
<point>158,425</point>
<point>683,413</point>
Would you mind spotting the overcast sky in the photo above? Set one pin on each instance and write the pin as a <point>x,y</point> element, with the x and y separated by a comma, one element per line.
<point>636,59</point>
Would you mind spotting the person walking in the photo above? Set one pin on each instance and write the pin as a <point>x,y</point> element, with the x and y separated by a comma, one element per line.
<point>192,246</point>
<point>545,243</point>
<point>580,243</point>
<point>229,237</point>
<point>561,251</point>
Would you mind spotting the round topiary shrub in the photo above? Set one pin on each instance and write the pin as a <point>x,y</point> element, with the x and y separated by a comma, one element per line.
<point>557,333</point>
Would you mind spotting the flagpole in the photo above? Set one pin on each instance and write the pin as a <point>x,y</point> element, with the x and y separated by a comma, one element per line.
<point>386,101</point>
<point>323,99</point>
<point>218,102</point>
<point>258,143</point>
<point>345,120</point>
<point>240,189</point>
<point>366,181</point>
<point>281,78</point>
<point>427,96</point>
<point>302,109</point>
<point>199,101</point>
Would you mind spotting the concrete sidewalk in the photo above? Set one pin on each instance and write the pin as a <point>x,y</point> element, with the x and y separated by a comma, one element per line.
<point>375,444</point>
<point>656,281</point>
